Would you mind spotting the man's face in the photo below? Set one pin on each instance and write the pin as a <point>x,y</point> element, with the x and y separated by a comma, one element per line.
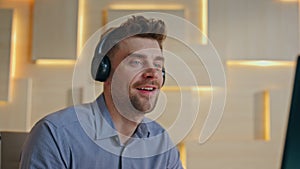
<point>137,74</point>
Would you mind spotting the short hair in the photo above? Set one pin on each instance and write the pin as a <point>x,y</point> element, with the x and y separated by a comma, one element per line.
<point>135,26</point>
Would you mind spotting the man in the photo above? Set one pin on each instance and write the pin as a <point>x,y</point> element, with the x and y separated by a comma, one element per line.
<point>112,132</point>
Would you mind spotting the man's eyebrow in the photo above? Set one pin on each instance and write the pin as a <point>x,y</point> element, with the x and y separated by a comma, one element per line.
<point>159,58</point>
<point>138,55</point>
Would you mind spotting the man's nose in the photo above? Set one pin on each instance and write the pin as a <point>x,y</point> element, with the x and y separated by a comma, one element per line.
<point>151,73</point>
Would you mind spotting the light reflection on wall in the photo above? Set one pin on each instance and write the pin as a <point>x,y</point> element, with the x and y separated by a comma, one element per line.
<point>145,7</point>
<point>188,88</point>
<point>81,10</point>
<point>260,63</point>
<point>204,20</point>
<point>54,62</point>
<point>266,116</point>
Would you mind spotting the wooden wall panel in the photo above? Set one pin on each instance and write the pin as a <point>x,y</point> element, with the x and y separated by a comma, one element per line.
<point>251,30</point>
<point>6,18</point>
<point>55,29</point>
<point>15,115</point>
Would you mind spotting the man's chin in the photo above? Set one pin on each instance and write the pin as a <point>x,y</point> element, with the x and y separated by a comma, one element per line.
<point>143,105</point>
<point>143,110</point>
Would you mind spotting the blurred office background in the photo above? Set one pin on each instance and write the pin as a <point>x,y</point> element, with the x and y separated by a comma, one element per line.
<point>257,42</point>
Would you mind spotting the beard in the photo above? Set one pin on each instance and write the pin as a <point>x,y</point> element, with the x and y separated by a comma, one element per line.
<point>143,104</point>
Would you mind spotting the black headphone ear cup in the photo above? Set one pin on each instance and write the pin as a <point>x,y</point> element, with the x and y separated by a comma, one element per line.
<point>103,69</point>
<point>164,76</point>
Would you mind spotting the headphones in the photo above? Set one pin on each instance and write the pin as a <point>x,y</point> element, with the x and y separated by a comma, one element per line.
<point>101,66</point>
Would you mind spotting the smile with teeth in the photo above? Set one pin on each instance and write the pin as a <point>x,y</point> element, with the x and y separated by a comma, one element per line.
<point>146,88</point>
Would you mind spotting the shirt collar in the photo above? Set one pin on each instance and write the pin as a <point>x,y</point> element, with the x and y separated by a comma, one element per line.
<point>105,127</point>
<point>141,131</point>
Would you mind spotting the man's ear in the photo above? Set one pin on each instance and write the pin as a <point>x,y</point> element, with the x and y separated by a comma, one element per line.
<point>107,82</point>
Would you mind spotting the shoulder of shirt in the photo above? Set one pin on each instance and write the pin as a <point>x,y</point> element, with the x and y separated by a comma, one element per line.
<point>66,116</point>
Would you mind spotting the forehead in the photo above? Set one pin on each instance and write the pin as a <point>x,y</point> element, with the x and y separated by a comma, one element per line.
<point>140,45</point>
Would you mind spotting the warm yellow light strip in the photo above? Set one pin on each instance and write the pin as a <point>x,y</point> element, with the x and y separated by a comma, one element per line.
<point>188,88</point>
<point>14,44</point>
<point>267,123</point>
<point>202,88</point>
<point>104,17</point>
<point>260,63</point>
<point>2,103</point>
<point>183,155</point>
<point>13,54</point>
<point>204,20</point>
<point>146,7</point>
<point>13,48</point>
<point>81,7</point>
<point>288,0</point>
<point>54,62</point>
<point>175,88</point>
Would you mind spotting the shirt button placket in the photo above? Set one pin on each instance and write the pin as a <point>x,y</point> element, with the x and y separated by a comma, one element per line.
<point>123,148</point>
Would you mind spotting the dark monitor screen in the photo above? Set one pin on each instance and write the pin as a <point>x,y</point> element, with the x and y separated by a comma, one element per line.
<point>291,153</point>
<point>11,144</point>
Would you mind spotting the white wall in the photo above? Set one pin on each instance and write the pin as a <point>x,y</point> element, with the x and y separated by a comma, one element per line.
<point>239,29</point>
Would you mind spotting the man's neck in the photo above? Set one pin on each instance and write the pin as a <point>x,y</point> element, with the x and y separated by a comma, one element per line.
<point>124,126</point>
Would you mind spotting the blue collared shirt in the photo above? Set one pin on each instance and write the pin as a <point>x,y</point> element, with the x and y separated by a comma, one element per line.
<point>84,137</point>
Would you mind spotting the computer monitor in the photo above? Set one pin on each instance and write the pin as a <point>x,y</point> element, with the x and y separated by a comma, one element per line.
<point>11,144</point>
<point>291,153</point>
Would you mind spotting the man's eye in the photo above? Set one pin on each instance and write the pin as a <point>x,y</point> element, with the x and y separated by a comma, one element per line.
<point>158,65</point>
<point>136,62</point>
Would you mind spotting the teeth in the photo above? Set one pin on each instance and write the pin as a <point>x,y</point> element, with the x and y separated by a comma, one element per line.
<point>146,88</point>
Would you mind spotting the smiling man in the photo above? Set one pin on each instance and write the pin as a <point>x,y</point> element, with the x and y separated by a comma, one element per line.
<point>112,132</point>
